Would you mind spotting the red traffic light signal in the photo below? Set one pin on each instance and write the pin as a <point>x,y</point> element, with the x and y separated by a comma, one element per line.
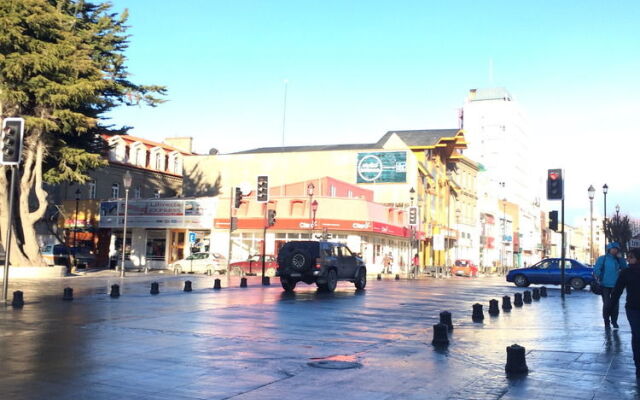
<point>555,184</point>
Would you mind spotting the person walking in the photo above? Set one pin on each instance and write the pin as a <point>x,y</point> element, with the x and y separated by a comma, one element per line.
<point>606,272</point>
<point>630,279</point>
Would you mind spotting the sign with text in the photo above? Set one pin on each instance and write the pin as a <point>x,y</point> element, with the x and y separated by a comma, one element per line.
<point>159,213</point>
<point>382,167</point>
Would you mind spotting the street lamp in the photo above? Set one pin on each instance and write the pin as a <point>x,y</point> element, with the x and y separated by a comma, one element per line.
<point>126,179</point>
<point>310,189</point>
<point>412,193</point>
<point>503,254</point>
<point>314,209</point>
<point>617,210</point>
<point>605,190</point>
<point>592,194</point>
<point>75,230</point>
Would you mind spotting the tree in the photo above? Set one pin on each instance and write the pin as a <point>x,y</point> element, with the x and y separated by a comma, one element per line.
<point>618,229</point>
<point>62,68</point>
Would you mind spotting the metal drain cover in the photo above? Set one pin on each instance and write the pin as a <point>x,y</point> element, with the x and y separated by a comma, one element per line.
<point>335,362</point>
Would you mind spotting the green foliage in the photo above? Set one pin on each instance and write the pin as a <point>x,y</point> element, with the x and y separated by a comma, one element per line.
<point>62,66</point>
<point>618,229</point>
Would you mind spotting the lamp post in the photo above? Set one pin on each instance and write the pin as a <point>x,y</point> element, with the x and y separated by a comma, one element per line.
<point>605,190</point>
<point>75,230</point>
<point>412,193</point>
<point>126,179</point>
<point>504,231</point>
<point>314,210</point>
<point>310,189</point>
<point>592,194</point>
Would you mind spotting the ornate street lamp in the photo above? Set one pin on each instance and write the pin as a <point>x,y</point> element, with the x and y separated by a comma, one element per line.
<point>126,179</point>
<point>314,209</point>
<point>592,194</point>
<point>75,230</point>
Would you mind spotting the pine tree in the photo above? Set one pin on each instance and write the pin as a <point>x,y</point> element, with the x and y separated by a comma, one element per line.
<point>62,68</point>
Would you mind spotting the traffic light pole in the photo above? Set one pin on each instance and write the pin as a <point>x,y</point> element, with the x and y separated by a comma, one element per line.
<point>264,240</point>
<point>7,247</point>
<point>563,251</point>
<point>230,233</point>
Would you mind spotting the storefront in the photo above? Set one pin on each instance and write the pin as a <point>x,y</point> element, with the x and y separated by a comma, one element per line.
<point>159,231</point>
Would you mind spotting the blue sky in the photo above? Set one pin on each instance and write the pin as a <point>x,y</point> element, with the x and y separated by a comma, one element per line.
<point>358,69</point>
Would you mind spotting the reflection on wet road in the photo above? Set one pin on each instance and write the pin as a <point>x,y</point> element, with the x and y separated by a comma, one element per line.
<point>262,343</point>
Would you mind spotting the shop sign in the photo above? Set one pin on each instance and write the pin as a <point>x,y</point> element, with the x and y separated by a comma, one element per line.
<point>158,213</point>
<point>382,167</point>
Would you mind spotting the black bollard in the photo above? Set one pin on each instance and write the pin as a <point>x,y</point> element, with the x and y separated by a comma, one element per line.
<point>440,337</point>
<point>535,294</point>
<point>243,282</point>
<point>567,289</point>
<point>397,277</point>
<point>18,299</point>
<point>527,297</point>
<point>477,315</point>
<point>216,284</point>
<point>155,288</point>
<point>115,291</point>
<point>445,318</point>
<point>506,303</point>
<point>516,360</point>
<point>187,286</point>
<point>379,277</point>
<point>493,308</point>
<point>266,281</point>
<point>543,291</point>
<point>517,299</point>
<point>67,294</point>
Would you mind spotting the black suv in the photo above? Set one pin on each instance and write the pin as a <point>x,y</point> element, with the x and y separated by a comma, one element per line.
<point>324,263</point>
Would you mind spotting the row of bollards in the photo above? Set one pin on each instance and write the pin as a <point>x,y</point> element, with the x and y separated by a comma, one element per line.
<point>18,296</point>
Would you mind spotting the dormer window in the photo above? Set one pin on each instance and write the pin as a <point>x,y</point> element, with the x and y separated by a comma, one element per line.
<point>175,163</point>
<point>138,154</point>
<point>118,151</point>
<point>157,159</point>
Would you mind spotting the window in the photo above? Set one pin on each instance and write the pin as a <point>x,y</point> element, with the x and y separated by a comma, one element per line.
<point>137,192</point>
<point>333,191</point>
<point>115,191</point>
<point>350,194</point>
<point>92,190</point>
<point>158,161</point>
<point>156,194</point>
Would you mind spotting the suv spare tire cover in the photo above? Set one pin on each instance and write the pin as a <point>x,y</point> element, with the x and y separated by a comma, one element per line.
<point>299,259</point>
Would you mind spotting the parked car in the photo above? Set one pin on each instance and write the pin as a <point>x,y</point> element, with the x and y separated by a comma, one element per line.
<point>203,263</point>
<point>253,266</point>
<point>57,254</point>
<point>84,257</point>
<point>548,272</point>
<point>322,263</point>
<point>464,268</point>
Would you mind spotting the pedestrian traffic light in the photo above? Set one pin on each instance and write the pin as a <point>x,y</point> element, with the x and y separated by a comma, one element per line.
<point>553,220</point>
<point>271,217</point>
<point>238,197</point>
<point>413,216</point>
<point>263,189</point>
<point>555,185</point>
<point>11,142</point>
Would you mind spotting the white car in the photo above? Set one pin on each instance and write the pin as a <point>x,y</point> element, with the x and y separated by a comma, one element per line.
<point>201,263</point>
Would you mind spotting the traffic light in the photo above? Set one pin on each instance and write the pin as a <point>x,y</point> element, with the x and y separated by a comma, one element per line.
<point>553,220</point>
<point>413,216</point>
<point>263,189</point>
<point>271,217</point>
<point>238,198</point>
<point>555,185</point>
<point>11,144</point>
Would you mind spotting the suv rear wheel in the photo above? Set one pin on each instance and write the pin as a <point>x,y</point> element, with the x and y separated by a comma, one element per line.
<point>287,284</point>
<point>361,279</point>
<point>332,281</point>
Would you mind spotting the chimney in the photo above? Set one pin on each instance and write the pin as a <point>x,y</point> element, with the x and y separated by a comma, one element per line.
<point>184,144</point>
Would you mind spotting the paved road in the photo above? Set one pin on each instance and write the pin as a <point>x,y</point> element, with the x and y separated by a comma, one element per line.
<point>259,343</point>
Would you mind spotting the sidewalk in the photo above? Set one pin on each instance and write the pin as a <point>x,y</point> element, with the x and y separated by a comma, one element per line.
<point>258,343</point>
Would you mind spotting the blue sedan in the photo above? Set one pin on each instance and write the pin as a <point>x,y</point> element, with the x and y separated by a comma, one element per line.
<point>547,271</point>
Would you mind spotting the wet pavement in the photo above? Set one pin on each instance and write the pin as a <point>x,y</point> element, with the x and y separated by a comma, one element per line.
<point>260,343</point>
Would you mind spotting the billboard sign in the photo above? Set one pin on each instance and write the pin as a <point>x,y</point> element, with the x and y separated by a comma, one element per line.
<point>159,213</point>
<point>382,167</point>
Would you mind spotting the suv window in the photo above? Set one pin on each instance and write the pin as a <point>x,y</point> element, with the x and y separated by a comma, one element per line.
<point>346,252</point>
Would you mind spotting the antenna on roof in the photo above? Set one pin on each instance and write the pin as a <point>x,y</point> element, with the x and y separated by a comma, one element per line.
<point>284,109</point>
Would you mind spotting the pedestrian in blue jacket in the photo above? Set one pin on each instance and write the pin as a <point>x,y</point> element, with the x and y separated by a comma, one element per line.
<point>606,271</point>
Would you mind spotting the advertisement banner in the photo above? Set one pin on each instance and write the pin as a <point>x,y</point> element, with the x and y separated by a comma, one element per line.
<point>382,167</point>
<point>158,213</point>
